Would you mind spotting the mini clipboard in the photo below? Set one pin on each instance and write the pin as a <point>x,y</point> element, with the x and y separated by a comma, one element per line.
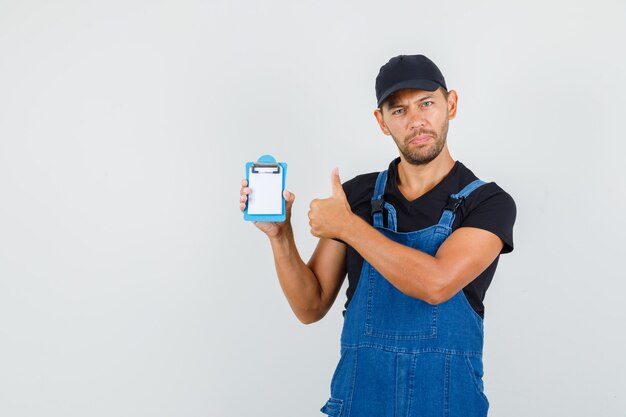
<point>266,180</point>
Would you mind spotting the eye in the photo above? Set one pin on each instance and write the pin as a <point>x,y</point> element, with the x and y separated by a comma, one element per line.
<point>397,111</point>
<point>427,103</point>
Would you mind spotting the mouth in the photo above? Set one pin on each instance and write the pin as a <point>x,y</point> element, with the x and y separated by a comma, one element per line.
<point>419,139</point>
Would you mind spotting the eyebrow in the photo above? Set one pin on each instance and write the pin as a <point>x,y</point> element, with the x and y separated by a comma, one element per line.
<point>392,103</point>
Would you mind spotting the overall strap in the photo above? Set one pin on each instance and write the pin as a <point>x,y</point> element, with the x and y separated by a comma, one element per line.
<point>378,204</point>
<point>455,200</point>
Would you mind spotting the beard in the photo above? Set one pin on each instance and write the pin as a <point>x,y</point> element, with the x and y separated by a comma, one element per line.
<point>422,154</point>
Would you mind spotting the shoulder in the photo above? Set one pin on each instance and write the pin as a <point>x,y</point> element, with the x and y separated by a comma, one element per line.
<point>491,208</point>
<point>492,199</point>
<point>489,193</point>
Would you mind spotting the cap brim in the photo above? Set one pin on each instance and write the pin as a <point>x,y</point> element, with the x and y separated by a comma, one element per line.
<point>426,85</point>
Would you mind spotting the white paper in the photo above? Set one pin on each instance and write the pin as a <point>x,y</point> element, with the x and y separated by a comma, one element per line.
<point>266,191</point>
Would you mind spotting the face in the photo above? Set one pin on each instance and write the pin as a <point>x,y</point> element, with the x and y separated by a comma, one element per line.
<point>417,121</point>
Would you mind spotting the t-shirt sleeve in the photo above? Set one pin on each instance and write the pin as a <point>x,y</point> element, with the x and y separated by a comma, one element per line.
<point>348,189</point>
<point>359,192</point>
<point>494,210</point>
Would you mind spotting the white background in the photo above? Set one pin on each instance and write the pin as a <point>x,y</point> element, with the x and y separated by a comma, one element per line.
<point>131,286</point>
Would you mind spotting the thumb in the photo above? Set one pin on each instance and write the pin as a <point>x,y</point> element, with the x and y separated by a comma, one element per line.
<point>289,199</point>
<point>336,184</point>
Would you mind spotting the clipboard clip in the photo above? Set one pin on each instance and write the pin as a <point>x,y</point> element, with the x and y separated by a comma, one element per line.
<point>265,168</point>
<point>266,164</point>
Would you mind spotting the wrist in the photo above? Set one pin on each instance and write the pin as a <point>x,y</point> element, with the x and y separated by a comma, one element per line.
<point>282,236</point>
<point>351,226</point>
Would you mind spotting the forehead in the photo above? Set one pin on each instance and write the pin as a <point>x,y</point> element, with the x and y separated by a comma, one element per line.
<point>410,95</point>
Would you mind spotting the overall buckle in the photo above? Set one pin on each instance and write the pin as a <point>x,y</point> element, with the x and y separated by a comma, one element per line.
<point>454,203</point>
<point>377,205</point>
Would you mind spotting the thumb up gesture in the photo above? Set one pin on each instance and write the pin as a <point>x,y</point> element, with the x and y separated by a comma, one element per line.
<point>330,217</point>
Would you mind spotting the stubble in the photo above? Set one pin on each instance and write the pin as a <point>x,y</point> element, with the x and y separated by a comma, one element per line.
<point>423,154</point>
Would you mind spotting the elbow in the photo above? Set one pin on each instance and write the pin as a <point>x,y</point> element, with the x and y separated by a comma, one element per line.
<point>309,316</point>
<point>436,299</point>
<point>311,312</point>
<point>308,320</point>
<point>433,299</point>
<point>437,294</point>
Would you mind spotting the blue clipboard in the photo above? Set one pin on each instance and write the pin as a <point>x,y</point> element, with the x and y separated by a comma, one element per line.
<point>268,177</point>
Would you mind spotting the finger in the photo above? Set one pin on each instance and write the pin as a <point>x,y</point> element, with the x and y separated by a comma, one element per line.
<point>336,184</point>
<point>244,191</point>
<point>244,183</point>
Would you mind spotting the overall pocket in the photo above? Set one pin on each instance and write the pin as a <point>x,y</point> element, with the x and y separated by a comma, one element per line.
<point>394,315</point>
<point>474,368</point>
<point>333,407</point>
<point>342,383</point>
<point>466,397</point>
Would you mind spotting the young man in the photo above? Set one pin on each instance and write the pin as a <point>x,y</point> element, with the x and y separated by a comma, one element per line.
<point>420,243</point>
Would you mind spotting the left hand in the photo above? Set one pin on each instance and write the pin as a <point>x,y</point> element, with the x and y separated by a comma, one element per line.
<point>330,217</point>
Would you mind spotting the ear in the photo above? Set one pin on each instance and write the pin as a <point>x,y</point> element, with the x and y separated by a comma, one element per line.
<point>453,100</point>
<point>378,113</point>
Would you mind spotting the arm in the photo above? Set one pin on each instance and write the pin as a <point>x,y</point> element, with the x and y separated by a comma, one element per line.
<point>434,279</point>
<point>309,288</point>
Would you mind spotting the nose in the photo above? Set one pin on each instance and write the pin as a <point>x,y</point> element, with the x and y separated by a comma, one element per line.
<point>416,119</point>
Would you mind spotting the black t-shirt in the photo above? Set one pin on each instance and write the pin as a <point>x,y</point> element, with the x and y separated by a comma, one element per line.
<point>488,207</point>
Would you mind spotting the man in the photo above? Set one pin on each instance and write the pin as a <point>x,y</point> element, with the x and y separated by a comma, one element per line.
<point>420,244</point>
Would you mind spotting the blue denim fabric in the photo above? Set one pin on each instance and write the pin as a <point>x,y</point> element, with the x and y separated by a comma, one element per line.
<point>403,357</point>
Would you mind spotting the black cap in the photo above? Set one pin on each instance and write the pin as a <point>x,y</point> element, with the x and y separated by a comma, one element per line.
<point>407,71</point>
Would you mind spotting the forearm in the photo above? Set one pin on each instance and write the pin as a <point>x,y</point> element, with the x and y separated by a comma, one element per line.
<point>411,271</point>
<point>298,282</point>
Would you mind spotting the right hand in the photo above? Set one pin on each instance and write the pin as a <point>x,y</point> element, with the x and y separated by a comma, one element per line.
<point>271,229</point>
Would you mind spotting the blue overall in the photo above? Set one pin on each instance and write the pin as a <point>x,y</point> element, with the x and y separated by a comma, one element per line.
<point>403,357</point>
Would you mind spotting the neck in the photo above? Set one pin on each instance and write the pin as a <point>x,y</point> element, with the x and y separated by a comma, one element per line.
<point>416,180</point>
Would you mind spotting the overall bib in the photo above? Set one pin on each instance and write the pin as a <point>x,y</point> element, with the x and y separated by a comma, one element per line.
<point>403,357</point>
